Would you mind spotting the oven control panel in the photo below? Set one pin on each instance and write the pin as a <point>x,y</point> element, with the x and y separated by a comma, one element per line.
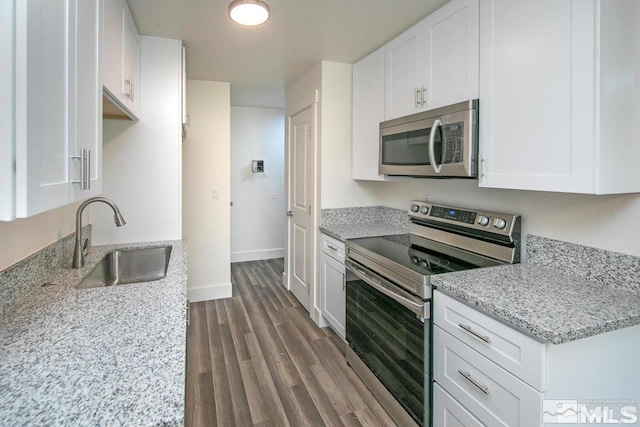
<point>492,222</point>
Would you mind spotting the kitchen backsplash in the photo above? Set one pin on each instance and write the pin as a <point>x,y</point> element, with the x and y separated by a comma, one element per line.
<point>24,276</point>
<point>608,268</point>
<point>367,214</point>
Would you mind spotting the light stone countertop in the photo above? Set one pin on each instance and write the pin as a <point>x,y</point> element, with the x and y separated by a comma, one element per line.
<point>110,356</point>
<point>343,232</point>
<point>547,304</point>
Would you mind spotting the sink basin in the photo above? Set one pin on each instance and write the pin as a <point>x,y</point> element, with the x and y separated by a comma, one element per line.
<point>124,266</point>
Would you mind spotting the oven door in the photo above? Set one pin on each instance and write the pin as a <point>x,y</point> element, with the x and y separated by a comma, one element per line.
<point>388,329</point>
<point>442,146</point>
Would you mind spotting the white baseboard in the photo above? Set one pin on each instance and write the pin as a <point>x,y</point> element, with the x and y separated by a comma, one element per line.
<point>318,318</point>
<point>206,293</point>
<point>257,255</point>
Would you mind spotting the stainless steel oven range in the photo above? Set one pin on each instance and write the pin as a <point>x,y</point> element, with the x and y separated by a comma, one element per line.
<point>388,326</point>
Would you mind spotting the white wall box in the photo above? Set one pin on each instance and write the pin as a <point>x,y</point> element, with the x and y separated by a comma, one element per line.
<point>121,47</point>
<point>488,373</point>
<point>332,283</point>
<point>567,127</point>
<point>434,63</point>
<point>56,144</point>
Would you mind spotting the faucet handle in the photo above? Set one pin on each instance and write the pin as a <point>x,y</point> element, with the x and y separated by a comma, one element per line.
<point>85,247</point>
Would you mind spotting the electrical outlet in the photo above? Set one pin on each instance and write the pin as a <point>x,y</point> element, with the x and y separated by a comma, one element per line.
<point>215,193</point>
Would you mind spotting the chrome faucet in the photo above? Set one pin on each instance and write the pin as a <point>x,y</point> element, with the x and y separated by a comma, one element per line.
<point>78,253</point>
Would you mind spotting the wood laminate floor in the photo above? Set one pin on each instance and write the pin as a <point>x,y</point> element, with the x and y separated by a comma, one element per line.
<point>257,359</point>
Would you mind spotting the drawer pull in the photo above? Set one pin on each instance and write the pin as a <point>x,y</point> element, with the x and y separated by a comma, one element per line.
<point>467,375</point>
<point>333,248</point>
<point>474,333</point>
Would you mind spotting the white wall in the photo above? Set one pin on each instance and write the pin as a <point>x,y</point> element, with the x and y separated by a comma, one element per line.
<point>338,189</point>
<point>22,237</point>
<point>142,160</point>
<point>257,216</point>
<point>206,162</point>
<point>606,222</point>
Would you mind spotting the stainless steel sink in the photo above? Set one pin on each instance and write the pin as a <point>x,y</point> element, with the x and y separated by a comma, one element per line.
<point>124,266</point>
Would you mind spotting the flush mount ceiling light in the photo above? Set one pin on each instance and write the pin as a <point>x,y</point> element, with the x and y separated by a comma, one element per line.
<point>249,12</point>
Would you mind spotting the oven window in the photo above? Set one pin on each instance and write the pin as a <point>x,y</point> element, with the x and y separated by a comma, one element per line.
<point>406,148</point>
<point>390,340</point>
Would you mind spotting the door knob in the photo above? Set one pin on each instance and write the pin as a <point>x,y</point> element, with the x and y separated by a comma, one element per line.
<point>290,213</point>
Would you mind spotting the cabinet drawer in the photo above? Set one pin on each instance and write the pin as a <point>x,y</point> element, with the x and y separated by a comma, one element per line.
<point>519,354</point>
<point>489,392</point>
<point>333,247</point>
<point>447,412</point>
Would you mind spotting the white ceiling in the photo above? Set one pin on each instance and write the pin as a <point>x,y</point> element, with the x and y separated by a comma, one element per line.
<point>259,62</point>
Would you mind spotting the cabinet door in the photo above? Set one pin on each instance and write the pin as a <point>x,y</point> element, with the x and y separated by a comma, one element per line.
<point>368,112</point>
<point>447,412</point>
<point>131,64</point>
<point>7,184</point>
<point>332,283</point>
<point>88,97</point>
<point>404,58</point>
<point>537,95</point>
<point>452,53</point>
<point>113,66</point>
<point>44,102</point>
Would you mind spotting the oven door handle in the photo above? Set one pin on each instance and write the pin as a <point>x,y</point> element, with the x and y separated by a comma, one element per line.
<point>375,282</point>
<point>432,150</point>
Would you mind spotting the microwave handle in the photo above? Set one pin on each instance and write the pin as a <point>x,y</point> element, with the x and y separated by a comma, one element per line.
<point>432,140</point>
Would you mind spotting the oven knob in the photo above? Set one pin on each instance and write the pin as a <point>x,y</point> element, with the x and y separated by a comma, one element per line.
<point>483,220</point>
<point>414,259</point>
<point>424,264</point>
<point>424,210</point>
<point>415,208</point>
<point>499,223</point>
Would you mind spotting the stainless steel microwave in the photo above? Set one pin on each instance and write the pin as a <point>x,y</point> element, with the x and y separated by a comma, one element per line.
<point>440,143</point>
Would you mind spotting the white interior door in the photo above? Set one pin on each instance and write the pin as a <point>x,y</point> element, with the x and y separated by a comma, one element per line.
<point>301,155</point>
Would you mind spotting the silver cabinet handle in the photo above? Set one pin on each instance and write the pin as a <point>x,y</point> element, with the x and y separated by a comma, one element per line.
<point>418,101</point>
<point>85,169</point>
<point>133,90</point>
<point>87,164</point>
<point>127,88</point>
<point>474,333</point>
<point>467,375</point>
<point>432,141</point>
<point>424,96</point>
<point>188,313</point>
<point>333,248</point>
<point>344,281</point>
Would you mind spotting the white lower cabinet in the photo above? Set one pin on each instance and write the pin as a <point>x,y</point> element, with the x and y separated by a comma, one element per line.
<point>447,412</point>
<point>493,395</point>
<point>332,284</point>
<point>486,372</point>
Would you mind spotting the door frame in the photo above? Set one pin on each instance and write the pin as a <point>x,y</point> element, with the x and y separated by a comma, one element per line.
<point>314,301</point>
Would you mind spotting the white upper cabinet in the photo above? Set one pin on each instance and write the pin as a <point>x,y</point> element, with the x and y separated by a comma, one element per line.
<point>112,48</point>
<point>121,46</point>
<point>435,62</point>
<point>7,176</point>
<point>452,54</point>
<point>368,112</point>
<point>57,106</point>
<point>404,71</point>
<point>559,96</point>
<point>131,74</point>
